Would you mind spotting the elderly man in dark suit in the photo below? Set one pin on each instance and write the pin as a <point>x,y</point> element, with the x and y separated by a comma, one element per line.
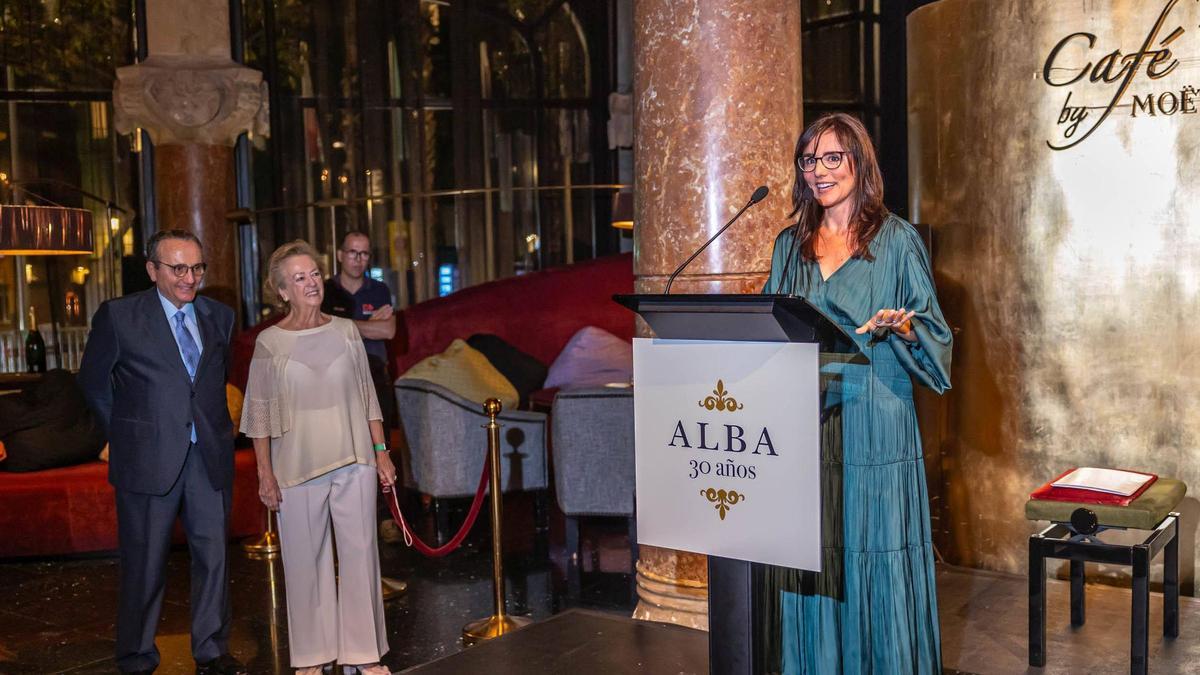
<point>154,372</point>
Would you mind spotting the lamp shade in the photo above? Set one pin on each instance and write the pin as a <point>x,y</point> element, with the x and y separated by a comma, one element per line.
<point>45,230</point>
<point>622,212</point>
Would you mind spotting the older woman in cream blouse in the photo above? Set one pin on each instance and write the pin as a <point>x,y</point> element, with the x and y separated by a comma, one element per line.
<point>318,436</point>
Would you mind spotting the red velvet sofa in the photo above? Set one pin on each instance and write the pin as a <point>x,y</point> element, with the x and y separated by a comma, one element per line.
<point>536,313</point>
<point>73,510</point>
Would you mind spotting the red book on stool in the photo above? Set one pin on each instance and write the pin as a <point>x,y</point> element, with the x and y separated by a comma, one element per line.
<point>1086,495</point>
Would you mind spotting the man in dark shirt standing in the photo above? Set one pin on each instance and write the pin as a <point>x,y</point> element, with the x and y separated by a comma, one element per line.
<point>352,294</point>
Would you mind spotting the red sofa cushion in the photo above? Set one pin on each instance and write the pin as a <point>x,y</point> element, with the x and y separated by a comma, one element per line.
<point>73,509</point>
<point>536,313</point>
<point>241,350</point>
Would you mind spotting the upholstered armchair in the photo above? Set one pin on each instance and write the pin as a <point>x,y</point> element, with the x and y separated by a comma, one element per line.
<point>447,446</point>
<point>592,441</point>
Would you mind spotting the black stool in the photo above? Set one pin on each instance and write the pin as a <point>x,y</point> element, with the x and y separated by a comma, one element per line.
<point>1072,536</point>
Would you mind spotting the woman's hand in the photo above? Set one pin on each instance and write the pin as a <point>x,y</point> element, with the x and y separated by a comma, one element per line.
<point>268,491</point>
<point>897,320</point>
<point>385,469</point>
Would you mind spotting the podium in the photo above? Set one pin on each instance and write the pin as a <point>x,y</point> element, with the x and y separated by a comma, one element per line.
<point>736,595</point>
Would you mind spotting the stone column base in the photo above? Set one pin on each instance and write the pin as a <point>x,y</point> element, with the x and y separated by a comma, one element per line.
<point>676,601</point>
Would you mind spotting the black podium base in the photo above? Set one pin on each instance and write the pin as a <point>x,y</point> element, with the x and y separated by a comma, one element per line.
<point>734,594</point>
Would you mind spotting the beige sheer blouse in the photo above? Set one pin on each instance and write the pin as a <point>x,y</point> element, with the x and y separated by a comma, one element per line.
<point>310,392</point>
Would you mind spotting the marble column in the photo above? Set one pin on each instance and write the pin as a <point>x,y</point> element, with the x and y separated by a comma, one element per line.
<point>194,101</point>
<point>717,85</point>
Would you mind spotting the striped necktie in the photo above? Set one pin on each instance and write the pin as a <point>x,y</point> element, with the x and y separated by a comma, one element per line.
<point>187,344</point>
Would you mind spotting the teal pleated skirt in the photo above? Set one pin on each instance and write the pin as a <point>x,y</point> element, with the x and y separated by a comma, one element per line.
<point>873,607</point>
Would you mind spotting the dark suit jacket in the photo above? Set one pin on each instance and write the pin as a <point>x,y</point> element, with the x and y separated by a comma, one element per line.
<point>135,381</point>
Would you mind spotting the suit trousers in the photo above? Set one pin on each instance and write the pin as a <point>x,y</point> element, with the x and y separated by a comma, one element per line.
<point>144,527</point>
<point>330,619</point>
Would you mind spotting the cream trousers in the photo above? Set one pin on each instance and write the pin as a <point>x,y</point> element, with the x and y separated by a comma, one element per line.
<point>332,617</point>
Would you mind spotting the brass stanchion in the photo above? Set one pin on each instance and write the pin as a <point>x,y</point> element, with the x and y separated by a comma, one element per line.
<point>273,624</point>
<point>266,546</point>
<point>393,587</point>
<point>499,623</point>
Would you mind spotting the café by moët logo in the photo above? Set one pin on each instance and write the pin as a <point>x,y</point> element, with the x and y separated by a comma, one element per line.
<point>1107,78</point>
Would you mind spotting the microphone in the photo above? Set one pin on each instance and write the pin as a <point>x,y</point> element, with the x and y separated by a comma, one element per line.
<point>755,198</point>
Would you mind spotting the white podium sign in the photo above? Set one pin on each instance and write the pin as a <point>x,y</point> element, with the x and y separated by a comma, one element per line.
<point>728,449</point>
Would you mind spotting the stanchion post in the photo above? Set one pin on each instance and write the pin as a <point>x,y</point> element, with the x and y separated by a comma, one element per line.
<point>273,624</point>
<point>499,622</point>
<point>266,546</point>
<point>392,587</point>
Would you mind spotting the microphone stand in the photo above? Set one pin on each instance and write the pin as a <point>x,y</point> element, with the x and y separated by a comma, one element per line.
<point>760,193</point>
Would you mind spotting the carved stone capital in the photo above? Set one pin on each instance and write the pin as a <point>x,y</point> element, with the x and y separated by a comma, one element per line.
<point>191,99</point>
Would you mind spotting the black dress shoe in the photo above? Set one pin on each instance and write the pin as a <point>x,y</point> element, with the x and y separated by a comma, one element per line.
<point>222,665</point>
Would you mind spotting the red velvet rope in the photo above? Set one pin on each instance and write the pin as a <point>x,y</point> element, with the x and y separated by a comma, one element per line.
<point>414,541</point>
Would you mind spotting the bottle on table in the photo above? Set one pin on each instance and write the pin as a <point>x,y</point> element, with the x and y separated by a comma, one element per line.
<point>35,347</point>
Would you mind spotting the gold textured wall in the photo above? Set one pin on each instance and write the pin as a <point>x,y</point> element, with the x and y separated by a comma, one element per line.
<point>1068,259</point>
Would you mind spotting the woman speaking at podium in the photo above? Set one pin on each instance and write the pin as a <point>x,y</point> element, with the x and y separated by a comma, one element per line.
<point>873,607</point>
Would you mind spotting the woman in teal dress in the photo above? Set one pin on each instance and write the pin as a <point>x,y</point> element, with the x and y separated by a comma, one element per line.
<point>873,607</point>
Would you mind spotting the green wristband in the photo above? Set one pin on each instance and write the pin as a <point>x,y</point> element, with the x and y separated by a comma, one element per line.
<point>381,447</point>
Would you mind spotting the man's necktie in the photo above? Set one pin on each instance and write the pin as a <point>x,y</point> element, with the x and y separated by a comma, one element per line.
<point>187,345</point>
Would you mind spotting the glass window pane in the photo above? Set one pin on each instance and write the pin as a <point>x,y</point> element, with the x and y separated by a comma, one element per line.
<point>64,150</point>
<point>439,157</point>
<point>412,139</point>
<point>832,68</point>
<point>564,160</point>
<point>436,74</point>
<point>525,11</point>
<point>293,37</point>
<point>8,304</point>
<point>565,58</point>
<point>513,170</point>
<point>812,10</point>
<point>64,45</point>
<point>507,69</point>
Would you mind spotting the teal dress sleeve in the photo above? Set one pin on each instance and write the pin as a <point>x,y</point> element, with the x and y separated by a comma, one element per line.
<point>927,359</point>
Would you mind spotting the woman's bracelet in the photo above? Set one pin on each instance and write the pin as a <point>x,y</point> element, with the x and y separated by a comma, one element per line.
<point>381,447</point>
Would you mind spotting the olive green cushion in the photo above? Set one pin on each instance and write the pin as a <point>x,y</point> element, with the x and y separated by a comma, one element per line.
<point>1144,513</point>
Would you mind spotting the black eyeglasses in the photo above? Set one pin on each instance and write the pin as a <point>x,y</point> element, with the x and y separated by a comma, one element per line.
<point>357,255</point>
<point>181,270</point>
<point>831,160</point>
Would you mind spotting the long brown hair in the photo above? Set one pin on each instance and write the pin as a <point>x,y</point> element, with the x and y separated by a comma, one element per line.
<point>869,211</point>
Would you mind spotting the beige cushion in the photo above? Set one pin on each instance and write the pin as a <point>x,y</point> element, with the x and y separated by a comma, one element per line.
<point>1144,513</point>
<point>234,399</point>
<point>466,372</point>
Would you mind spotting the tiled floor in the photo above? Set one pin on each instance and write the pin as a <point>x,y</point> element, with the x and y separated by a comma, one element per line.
<point>58,616</point>
<point>984,617</point>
